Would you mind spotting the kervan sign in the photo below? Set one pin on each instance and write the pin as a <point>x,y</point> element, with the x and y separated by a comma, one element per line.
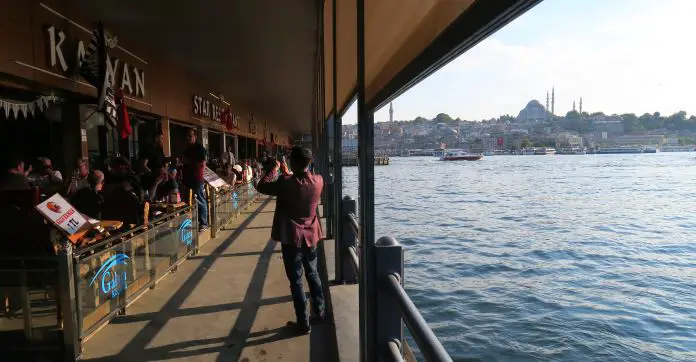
<point>65,55</point>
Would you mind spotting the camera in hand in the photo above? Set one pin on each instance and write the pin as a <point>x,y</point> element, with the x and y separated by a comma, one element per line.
<point>269,163</point>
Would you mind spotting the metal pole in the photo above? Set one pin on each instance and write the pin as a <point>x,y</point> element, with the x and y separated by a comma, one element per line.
<point>389,257</point>
<point>338,156</point>
<point>71,343</point>
<point>212,211</point>
<point>366,201</point>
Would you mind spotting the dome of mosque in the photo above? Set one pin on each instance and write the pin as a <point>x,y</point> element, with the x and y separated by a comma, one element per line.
<point>532,112</point>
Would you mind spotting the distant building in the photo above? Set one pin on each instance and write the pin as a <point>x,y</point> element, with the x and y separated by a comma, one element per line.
<point>568,140</point>
<point>534,111</point>
<point>641,139</point>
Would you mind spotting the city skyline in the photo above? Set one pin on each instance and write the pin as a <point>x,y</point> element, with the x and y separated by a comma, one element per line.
<point>620,56</point>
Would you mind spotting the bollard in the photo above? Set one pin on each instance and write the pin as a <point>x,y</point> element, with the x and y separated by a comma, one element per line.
<point>389,257</point>
<point>72,345</point>
<point>212,212</point>
<point>344,269</point>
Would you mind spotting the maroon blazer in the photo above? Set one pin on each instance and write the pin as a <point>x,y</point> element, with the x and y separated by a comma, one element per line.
<point>295,219</point>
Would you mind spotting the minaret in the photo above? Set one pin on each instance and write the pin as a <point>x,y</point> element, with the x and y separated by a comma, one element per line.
<point>547,101</point>
<point>391,114</point>
<point>580,105</point>
<point>553,100</point>
<point>573,105</point>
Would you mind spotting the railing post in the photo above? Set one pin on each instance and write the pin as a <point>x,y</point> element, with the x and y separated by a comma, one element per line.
<point>212,211</point>
<point>72,346</point>
<point>344,269</point>
<point>389,256</point>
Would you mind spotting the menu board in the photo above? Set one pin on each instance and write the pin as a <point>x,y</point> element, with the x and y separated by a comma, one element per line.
<point>213,179</point>
<point>63,215</point>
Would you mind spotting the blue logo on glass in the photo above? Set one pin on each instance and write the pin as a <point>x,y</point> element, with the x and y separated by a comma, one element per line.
<point>235,200</point>
<point>186,233</point>
<point>113,282</point>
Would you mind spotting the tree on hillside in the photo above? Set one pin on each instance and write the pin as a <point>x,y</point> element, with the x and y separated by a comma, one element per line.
<point>631,123</point>
<point>420,120</point>
<point>443,118</point>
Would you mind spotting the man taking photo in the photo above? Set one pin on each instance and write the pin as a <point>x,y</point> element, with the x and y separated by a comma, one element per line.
<point>296,226</point>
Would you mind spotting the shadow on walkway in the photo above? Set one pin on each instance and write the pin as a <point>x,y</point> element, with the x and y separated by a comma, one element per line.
<point>137,349</point>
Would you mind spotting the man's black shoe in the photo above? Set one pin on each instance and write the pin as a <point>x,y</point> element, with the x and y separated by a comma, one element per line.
<point>299,328</point>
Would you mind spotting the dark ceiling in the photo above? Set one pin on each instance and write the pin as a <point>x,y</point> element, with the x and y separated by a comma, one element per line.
<point>261,53</point>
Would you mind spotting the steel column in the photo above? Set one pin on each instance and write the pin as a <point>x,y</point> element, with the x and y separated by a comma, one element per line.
<point>367,198</point>
<point>72,344</point>
<point>338,154</point>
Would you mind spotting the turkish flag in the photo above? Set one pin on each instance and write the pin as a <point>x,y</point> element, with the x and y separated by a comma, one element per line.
<point>124,124</point>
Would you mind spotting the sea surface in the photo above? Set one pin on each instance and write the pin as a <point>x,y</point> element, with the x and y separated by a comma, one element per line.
<point>548,258</point>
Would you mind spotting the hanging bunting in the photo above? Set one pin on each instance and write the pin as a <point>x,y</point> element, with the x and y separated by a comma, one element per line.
<point>27,108</point>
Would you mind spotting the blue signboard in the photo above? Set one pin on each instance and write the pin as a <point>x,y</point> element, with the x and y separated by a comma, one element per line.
<point>112,278</point>
<point>186,232</point>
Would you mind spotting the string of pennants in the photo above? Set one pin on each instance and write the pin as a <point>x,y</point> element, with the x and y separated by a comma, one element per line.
<point>25,109</point>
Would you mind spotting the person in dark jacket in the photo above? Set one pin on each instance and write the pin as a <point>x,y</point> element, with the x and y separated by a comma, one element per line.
<point>296,226</point>
<point>195,157</point>
<point>89,200</point>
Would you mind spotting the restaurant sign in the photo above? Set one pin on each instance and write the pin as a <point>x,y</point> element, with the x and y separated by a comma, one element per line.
<point>208,109</point>
<point>212,179</point>
<point>66,55</point>
<point>59,212</point>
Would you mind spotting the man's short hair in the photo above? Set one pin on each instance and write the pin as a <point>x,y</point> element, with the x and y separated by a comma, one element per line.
<point>300,157</point>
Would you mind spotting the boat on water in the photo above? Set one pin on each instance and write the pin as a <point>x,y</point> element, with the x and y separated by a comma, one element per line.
<point>677,149</point>
<point>461,156</point>
<point>651,149</point>
<point>545,151</point>
<point>571,151</point>
<point>615,150</point>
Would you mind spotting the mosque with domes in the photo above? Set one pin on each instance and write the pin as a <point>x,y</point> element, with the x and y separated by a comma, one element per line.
<point>535,111</point>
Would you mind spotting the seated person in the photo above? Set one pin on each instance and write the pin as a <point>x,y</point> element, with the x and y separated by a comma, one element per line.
<point>165,186</point>
<point>239,174</point>
<point>89,200</point>
<point>14,176</point>
<point>228,175</point>
<point>48,180</point>
<point>123,177</point>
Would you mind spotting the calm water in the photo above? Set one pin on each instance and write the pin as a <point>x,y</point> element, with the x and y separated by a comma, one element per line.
<point>540,258</point>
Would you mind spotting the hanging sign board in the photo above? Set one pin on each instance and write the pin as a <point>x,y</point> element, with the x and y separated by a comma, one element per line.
<point>212,179</point>
<point>63,215</point>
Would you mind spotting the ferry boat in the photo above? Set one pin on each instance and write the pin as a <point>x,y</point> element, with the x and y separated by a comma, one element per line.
<point>677,149</point>
<point>614,150</point>
<point>545,151</point>
<point>651,149</point>
<point>572,151</point>
<point>461,156</point>
<point>440,153</point>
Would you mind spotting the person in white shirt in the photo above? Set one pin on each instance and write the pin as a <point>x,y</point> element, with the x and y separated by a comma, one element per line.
<point>228,157</point>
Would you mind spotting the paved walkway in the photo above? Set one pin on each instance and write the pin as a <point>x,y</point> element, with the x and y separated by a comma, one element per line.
<point>228,303</point>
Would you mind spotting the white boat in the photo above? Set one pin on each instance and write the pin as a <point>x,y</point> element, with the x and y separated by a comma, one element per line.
<point>461,156</point>
<point>545,151</point>
<point>572,151</point>
<point>677,149</point>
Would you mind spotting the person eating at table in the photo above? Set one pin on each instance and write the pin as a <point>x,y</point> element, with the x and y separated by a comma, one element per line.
<point>165,186</point>
<point>89,200</point>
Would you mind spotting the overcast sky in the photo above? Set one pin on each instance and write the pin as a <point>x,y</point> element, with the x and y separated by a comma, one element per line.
<point>620,56</point>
